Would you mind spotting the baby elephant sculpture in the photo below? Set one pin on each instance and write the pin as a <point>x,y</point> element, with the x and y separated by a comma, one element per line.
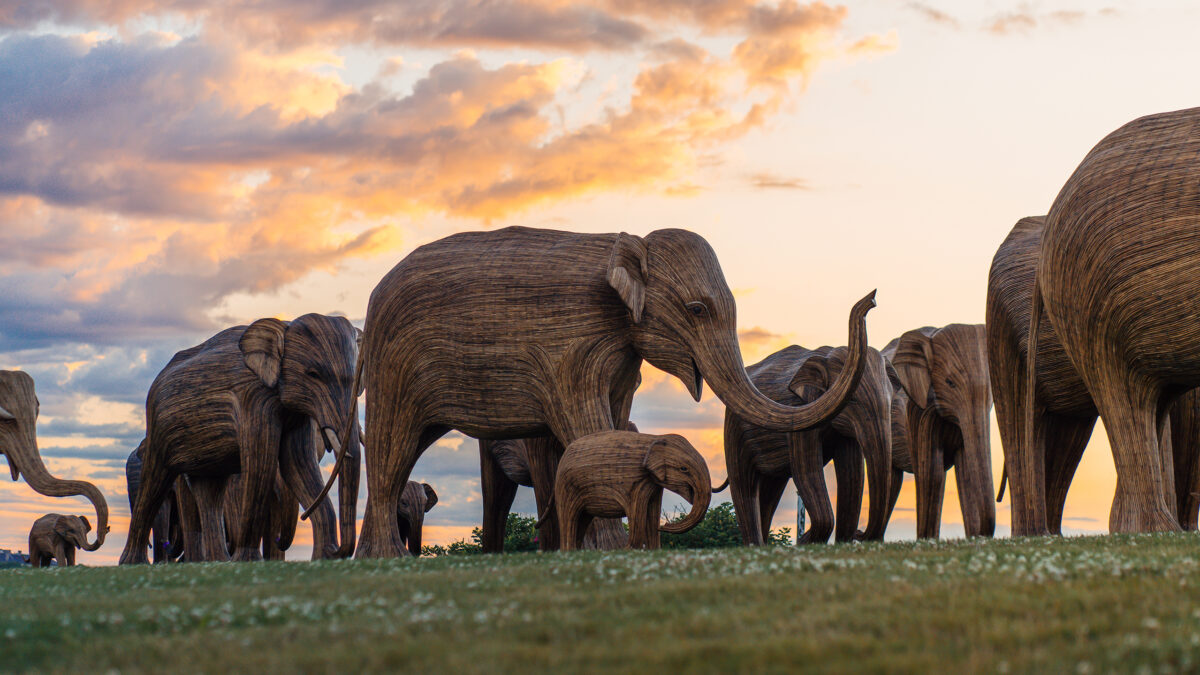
<point>611,474</point>
<point>55,537</point>
<point>416,500</point>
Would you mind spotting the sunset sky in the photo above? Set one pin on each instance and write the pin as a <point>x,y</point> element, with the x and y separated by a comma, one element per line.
<point>172,167</point>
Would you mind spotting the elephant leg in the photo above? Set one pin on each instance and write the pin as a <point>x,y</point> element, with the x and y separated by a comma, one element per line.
<point>605,534</point>
<point>929,468</point>
<point>189,521</point>
<point>644,520</point>
<point>1066,439</point>
<point>770,491</point>
<point>209,493</point>
<point>393,451</point>
<point>285,513</point>
<point>69,551</point>
<point>231,510</point>
<point>156,481</point>
<point>808,471</point>
<point>848,467</point>
<point>1129,409</point>
<point>1185,444</point>
<point>260,450</point>
<point>543,454</point>
<point>571,526</point>
<point>160,532</point>
<point>302,474</point>
<point>743,480</point>
<point>498,495</point>
<point>60,553</point>
<point>1024,458</point>
<point>894,485</point>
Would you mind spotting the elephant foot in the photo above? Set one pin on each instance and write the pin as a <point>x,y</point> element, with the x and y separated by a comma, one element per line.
<point>251,554</point>
<point>1133,520</point>
<point>132,558</point>
<point>812,536</point>
<point>326,552</point>
<point>385,547</point>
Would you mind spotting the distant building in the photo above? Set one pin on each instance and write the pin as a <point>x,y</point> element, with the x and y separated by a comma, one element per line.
<point>10,558</point>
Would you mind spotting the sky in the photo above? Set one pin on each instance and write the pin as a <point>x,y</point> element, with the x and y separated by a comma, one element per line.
<point>169,168</point>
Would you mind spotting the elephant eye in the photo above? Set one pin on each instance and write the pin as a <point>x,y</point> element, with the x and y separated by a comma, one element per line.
<point>697,308</point>
<point>950,382</point>
<point>684,469</point>
<point>313,374</point>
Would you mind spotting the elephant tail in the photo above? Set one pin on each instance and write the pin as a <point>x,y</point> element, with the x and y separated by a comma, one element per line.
<point>1003,484</point>
<point>722,486</point>
<point>545,514</point>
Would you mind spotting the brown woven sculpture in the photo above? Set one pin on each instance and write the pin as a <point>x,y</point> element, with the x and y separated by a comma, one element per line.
<point>166,534</point>
<point>1117,277</point>
<point>416,500</point>
<point>945,413</point>
<point>18,442</point>
<point>522,332</point>
<point>243,402</point>
<point>55,537</point>
<point>1064,415</point>
<point>760,461</point>
<point>611,474</point>
<point>282,513</point>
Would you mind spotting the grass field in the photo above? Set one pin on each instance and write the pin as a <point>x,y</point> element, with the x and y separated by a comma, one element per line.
<point>1094,604</point>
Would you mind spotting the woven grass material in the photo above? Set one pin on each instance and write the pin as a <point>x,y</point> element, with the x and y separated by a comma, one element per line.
<point>18,442</point>
<point>945,405</point>
<point>761,461</point>
<point>611,474</point>
<point>244,402</point>
<point>56,537</point>
<point>1117,278</point>
<point>520,332</point>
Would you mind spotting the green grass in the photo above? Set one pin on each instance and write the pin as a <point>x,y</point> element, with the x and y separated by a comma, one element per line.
<point>1094,604</point>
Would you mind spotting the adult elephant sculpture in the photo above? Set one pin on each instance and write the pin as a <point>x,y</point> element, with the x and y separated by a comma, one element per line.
<point>523,332</point>
<point>18,442</point>
<point>55,537</point>
<point>243,402</point>
<point>166,534</point>
<point>1117,279</point>
<point>282,513</point>
<point>945,412</point>
<point>760,461</point>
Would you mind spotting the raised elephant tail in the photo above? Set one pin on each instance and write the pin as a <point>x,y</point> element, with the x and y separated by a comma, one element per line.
<point>1003,484</point>
<point>545,514</point>
<point>722,486</point>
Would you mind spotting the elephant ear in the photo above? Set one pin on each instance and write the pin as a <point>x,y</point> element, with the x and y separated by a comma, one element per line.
<point>627,273</point>
<point>87,527</point>
<point>811,379</point>
<point>912,360</point>
<point>430,497</point>
<point>656,460</point>
<point>262,349</point>
<point>62,527</point>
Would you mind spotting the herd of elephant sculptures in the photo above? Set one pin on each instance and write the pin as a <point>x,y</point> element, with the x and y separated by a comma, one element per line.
<point>532,340</point>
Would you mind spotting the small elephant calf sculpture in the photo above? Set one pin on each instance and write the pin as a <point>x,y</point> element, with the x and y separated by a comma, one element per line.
<point>55,537</point>
<point>416,500</point>
<point>611,474</point>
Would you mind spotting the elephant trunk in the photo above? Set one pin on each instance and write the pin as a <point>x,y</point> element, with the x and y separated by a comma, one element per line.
<point>348,495</point>
<point>701,495</point>
<point>973,471</point>
<point>414,537</point>
<point>43,483</point>
<point>351,426</point>
<point>722,366</point>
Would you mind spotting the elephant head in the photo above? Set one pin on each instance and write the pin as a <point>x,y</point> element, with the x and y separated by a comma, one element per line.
<point>18,441</point>
<point>74,529</point>
<point>310,362</point>
<point>684,322</point>
<point>415,501</point>
<point>945,370</point>
<point>867,418</point>
<point>675,465</point>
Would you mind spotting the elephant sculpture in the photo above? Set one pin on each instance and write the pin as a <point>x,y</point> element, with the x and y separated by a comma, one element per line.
<point>611,474</point>
<point>549,330</point>
<point>1116,277</point>
<point>55,537</point>
<point>944,410</point>
<point>282,513</point>
<point>761,461</point>
<point>244,402</point>
<point>18,442</point>
<point>166,534</point>
<point>416,500</point>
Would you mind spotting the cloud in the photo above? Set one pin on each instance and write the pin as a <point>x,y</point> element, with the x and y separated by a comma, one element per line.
<point>1026,19</point>
<point>769,181</point>
<point>934,15</point>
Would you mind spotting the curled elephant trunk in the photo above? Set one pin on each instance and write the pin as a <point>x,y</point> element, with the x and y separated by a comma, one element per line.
<point>43,483</point>
<point>722,366</point>
<point>701,495</point>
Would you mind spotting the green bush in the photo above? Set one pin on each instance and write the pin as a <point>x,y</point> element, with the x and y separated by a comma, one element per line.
<point>719,529</point>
